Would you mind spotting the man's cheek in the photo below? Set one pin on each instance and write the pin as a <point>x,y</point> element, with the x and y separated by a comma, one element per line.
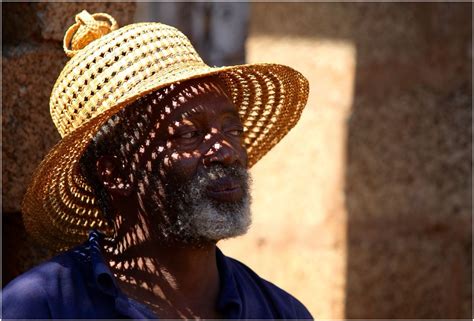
<point>179,169</point>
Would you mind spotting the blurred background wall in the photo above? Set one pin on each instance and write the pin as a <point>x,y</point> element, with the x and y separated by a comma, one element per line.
<point>364,209</point>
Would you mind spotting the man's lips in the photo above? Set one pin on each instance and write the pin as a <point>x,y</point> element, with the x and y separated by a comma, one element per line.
<point>225,189</point>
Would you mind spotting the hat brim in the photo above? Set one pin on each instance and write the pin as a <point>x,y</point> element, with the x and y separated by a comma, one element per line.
<point>59,207</point>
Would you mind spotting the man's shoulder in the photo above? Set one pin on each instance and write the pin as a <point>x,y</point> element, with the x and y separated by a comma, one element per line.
<point>35,287</point>
<point>50,270</point>
<point>44,272</point>
<point>287,304</point>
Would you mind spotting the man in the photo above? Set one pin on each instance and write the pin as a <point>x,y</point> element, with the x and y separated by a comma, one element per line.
<point>153,167</point>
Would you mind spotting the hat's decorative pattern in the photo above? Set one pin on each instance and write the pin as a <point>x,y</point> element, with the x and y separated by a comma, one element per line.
<point>107,71</point>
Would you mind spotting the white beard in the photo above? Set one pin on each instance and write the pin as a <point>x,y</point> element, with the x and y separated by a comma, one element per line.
<point>198,218</point>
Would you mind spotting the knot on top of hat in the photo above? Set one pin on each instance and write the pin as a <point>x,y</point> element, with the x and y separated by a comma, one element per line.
<point>87,29</point>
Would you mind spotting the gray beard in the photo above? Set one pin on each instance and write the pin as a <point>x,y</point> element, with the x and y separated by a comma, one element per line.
<point>195,218</point>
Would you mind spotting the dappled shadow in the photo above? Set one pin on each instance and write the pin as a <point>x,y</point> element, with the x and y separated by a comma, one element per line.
<point>139,157</point>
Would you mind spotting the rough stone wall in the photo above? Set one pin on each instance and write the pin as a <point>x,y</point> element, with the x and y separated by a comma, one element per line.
<point>364,209</point>
<point>32,59</point>
<point>409,172</point>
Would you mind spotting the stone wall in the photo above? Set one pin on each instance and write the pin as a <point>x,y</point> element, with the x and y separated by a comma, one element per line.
<point>32,59</point>
<point>408,180</point>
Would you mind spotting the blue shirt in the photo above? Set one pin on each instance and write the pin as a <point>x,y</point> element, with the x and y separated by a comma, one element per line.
<point>78,284</point>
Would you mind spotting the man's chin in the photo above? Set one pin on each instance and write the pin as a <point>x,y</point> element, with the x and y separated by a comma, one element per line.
<point>201,238</point>
<point>216,234</point>
<point>215,221</point>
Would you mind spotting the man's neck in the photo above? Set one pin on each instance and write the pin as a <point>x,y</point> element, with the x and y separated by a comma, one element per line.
<point>175,280</point>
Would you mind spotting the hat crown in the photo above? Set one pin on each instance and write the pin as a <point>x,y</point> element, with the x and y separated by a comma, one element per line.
<point>87,29</point>
<point>107,66</point>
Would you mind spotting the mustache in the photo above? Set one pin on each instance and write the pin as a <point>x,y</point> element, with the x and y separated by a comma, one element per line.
<point>218,171</point>
<point>204,177</point>
<point>196,188</point>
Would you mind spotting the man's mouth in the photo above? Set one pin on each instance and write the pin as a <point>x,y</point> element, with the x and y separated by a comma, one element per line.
<point>225,189</point>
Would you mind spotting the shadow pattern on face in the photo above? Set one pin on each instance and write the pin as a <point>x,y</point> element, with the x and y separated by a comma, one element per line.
<point>160,156</point>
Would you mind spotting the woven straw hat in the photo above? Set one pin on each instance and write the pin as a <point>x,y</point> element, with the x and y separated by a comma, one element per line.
<point>110,67</point>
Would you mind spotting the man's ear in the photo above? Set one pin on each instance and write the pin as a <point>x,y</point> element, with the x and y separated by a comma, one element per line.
<point>113,175</point>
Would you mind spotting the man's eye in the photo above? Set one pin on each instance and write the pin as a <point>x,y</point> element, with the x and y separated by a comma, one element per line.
<point>189,134</point>
<point>235,132</point>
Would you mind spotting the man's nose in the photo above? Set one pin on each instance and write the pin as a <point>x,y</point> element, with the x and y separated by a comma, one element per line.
<point>221,152</point>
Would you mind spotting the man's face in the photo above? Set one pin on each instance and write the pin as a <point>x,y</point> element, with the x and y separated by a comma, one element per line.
<point>192,167</point>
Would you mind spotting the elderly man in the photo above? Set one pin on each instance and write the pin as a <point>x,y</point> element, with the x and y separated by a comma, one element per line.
<point>153,168</point>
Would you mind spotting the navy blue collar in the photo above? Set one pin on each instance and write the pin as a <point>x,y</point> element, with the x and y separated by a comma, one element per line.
<point>103,277</point>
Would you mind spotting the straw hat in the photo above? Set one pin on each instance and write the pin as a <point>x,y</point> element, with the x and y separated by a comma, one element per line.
<point>110,67</point>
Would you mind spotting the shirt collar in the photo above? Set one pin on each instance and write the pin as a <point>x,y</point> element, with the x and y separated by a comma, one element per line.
<point>103,277</point>
<point>105,281</point>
